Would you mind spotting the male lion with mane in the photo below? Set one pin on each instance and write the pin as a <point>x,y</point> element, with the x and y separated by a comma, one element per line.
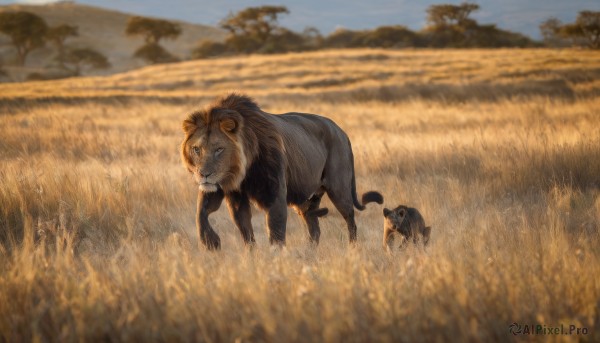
<point>237,152</point>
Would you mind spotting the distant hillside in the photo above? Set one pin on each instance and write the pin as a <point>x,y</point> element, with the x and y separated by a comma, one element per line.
<point>102,30</point>
<point>447,75</point>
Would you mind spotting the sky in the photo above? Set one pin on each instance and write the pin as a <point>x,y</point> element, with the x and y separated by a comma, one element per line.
<point>522,16</point>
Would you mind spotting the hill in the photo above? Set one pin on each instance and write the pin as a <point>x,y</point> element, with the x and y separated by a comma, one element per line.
<point>102,30</point>
<point>351,74</point>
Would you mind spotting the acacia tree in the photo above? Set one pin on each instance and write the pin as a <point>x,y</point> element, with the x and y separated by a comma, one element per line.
<point>450,25</point>
<point>57,36</point>
<point>445,15</point>
<point>85,57</point>
<point>586,27</point>
<point>153,53</point>
<point>252,27</point>
<point>550,30</point>
<point>153,30</point>
<point>26,30</point>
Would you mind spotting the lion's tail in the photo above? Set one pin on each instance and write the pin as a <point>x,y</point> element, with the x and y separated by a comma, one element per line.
<point>367,197</point>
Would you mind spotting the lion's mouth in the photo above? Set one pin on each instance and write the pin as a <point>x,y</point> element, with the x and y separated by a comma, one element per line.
<point>206,186</point>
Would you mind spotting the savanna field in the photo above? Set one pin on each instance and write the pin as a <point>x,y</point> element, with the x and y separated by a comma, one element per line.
<point>498,149</point>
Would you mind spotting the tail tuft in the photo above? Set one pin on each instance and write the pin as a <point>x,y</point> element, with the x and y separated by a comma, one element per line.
<point>367,198</point>
<point>372,197</point>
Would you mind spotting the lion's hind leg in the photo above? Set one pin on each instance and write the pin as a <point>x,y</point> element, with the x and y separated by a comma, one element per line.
<point>311,214</point>
<point>344,204</point>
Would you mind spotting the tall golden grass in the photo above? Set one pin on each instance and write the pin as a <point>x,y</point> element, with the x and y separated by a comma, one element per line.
<point>97,238</point>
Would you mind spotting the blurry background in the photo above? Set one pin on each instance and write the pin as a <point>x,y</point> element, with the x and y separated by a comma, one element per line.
<point>91,37</point>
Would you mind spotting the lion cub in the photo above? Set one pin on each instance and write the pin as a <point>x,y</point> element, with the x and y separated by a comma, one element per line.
<point>407,222</point>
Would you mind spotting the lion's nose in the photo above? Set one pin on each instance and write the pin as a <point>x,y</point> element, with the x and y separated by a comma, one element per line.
<point>205,174</point>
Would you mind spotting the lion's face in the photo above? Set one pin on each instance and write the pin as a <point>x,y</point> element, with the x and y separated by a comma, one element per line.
<point>213,154</point>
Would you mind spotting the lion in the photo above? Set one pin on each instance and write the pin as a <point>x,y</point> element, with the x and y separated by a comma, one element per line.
<point>407,222</point>
<point>237,152</point>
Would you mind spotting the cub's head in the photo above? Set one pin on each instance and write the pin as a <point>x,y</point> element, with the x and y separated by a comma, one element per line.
<point>213,149</point>
<point>395,220</point>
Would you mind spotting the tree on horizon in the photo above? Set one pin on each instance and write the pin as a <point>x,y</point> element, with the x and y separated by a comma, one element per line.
<point>586,27</point>
<point>251,28</point>
<point>57,35</point>
<point>26,31</point>
<point>153,31</point>
<point>85,57</point>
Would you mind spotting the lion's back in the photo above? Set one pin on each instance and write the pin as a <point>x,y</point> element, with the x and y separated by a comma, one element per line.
<point>311,143</point>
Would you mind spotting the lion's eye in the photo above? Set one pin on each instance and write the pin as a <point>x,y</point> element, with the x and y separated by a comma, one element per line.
<point>218,151</point>
<point>196,150</point>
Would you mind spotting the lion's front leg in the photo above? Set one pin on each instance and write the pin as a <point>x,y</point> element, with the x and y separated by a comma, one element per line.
<point>207,204</point>
<point>277,219</point>
<point>240,211</point>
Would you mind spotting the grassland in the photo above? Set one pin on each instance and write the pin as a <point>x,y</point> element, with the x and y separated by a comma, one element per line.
<point>499,149</point>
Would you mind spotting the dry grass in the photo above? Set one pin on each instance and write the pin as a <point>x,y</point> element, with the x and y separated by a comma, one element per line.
<point>354,75</point>
<point>97,214</point>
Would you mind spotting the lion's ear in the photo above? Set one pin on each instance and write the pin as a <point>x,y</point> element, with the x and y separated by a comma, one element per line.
<point>228,125</point>
<point>230,122</point>
<point>189,126</point>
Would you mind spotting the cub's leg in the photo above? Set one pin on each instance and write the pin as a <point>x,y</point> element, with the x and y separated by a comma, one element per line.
<point>208,203</point>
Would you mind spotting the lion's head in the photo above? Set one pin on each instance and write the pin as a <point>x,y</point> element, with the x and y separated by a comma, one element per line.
<point>212,149</point>
<point>223,140</point>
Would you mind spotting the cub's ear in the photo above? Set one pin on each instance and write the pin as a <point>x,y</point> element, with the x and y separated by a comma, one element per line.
<point>402,212</point>
<point>426,235</point>
<point>427,231</point>
<point>386,212</point>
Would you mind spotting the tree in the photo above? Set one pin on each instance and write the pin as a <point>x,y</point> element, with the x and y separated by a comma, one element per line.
<point>450,25</point>
<point>153,30</point>
<point>283,41</point>
<point>451,15</point>
<point>586,27</point>
<point>341,38</point>
<point>57,36</point>
<point>153,53</point>
<point>256,23</point>
<point>85,57</point>
<point>550,30</point>
<point>387,37</point>
<point>312,37</point>
<point>242,44</point>
<point>209,48</point>
<point>26,30</point>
